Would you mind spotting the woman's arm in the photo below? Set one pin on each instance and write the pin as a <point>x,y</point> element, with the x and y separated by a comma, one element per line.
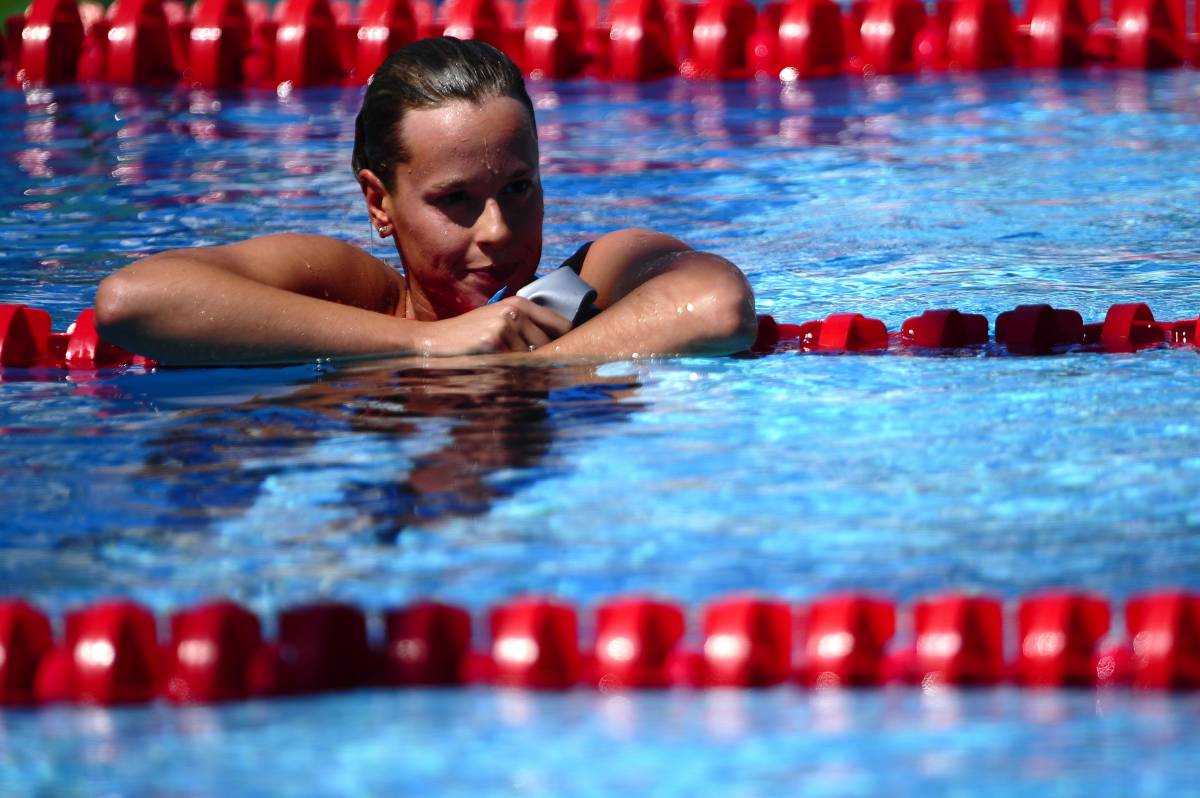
<point>660,297</point>
<point>287,298</point>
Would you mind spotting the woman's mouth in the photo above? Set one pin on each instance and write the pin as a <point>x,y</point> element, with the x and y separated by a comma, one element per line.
<point>492,276</point>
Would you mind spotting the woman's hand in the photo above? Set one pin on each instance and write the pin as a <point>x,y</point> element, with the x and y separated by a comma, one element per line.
<point>511,325</point>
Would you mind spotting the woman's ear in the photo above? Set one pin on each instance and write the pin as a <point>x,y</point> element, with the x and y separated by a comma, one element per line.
<point>379,203</point>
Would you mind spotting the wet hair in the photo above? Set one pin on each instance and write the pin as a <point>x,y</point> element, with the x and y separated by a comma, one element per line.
<point>426,74</point>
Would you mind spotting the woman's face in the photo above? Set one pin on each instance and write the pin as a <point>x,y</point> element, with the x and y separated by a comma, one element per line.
<point>467,206</point>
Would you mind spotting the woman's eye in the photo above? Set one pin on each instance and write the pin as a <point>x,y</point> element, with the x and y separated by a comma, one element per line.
<point>519,186</point>
<point>453,198</point>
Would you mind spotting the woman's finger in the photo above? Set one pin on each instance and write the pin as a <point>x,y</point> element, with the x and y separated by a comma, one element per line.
<point>552,324</point>
<point>533,334</point>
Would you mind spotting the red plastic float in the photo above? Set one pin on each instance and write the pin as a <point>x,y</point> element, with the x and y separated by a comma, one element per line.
<point>384,26</point>
<point>747,643</point>
<point>51,43</point>
<point>481,20</point>
<point>306,49</point>
<point>25,638</point>
<point>843,332</point>
<point>941,329</point>
<point>534,644</point>
<point>24,336</point>
<point>639,46</point>
<point>555,39</point>
<point>720,39</point>
<point>1128,328</point>
<point>1183,333</point>
<point>887,34</point>
<point>636,641</point>
<point>210,653</point>
<point>114,654</point>
<point>86,350</point>
<point>958,641</point>
<point>427,644</point>
<point>1150,34</point>
<point>1054,33</point>
<point>218,43</point>
<point>1164,631</point>
<point>1057,638</point>
<point>139,44</point>
<point>979,35</point>
<point>323,647</point>
<point>810,39</point>
<point>773,336</point>
<point>844,641</point>
<point>1038,329</point>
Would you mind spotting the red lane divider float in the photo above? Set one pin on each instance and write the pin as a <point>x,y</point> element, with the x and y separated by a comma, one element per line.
<point>210,652</point>
<point>218,43</point>
<point>307,42</point>
<point>534,645</point>
<point>844,641</point>
<point>109,653</point>
<point>27,342</point>
<point>1025,330</point>
<point>959,640</point>
<point>1058,637</point>
<point>806,39</point>
<point>556,38</point>
<point>747,643</point>
<point>637,641</point>
<point>140,50</point>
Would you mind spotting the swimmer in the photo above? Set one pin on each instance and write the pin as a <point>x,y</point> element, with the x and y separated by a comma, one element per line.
<point>446,155</point>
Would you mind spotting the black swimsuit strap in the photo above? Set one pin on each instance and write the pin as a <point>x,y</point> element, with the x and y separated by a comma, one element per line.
<point>576,260</point>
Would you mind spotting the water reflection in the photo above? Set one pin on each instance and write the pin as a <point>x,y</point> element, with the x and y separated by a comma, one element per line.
<point>661,122</point>
<point>672,744</point>
<point>382,450</point>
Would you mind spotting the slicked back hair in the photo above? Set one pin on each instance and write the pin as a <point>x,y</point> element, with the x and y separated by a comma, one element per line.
<point>427,74</point>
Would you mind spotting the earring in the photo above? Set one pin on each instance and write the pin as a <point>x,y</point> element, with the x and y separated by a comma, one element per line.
<point>384,230</point>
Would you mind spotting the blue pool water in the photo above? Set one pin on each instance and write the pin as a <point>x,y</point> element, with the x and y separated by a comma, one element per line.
<point>790,475</point>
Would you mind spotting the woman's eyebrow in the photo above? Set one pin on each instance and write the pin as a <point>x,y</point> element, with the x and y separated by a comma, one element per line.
<point>454,184</point>
<point>460,183</point>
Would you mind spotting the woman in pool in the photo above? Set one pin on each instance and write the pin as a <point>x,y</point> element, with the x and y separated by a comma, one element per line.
<point>446,154</point>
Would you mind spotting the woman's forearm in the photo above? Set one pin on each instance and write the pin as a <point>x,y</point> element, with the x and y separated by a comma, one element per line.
<point>693,303</point>
<point>185,311</point>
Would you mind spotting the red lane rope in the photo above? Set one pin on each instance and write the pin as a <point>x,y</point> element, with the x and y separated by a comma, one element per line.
<point>311,42</point>
<point>1025,330</point>
<point>27,342</point>
<point>110,652</point>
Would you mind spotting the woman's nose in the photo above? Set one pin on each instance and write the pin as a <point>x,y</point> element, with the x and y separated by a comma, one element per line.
<point>492,227</point>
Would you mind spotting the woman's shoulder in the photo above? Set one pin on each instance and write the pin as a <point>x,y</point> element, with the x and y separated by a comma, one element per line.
<point>632,240</point>
<point>322,266</point>
<point>311,244</point>
<point>626,246</point>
